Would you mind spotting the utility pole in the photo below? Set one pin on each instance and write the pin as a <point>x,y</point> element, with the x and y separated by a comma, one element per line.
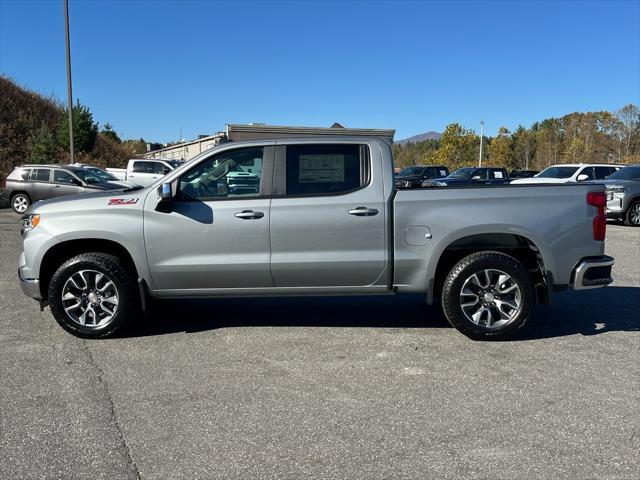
<point>69,91</point>
<point>481,138</point>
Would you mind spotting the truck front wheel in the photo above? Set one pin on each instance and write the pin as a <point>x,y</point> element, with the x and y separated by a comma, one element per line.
<point>92,295</point>
<point>488,296</point>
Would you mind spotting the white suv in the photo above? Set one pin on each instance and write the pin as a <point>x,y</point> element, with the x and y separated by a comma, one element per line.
<point>571,172</point>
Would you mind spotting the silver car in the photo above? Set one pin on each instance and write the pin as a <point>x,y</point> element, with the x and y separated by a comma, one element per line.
<point>623,195</point>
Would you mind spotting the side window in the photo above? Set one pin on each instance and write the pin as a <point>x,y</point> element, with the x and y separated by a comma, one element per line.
<point>230,174</point>
<point>603,172</point>
<point>143,167</point>
<point>40,174</point>
<point>159,167</point>
<point>588,171</point>
<point>480,172</point>
<point>497,174</point>
<point>24,173</point>
<point>430,173</point>
<point>326,169</point>
<point>60,176</point>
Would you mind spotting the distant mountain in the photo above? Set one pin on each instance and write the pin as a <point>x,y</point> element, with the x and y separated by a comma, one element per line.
<point>421,138</point>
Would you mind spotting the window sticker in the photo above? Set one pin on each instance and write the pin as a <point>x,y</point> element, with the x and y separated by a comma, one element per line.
<point>497,174</point>
<point>321,168</point>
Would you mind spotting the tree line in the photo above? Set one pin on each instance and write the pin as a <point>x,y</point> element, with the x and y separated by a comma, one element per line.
<point>591,137</point>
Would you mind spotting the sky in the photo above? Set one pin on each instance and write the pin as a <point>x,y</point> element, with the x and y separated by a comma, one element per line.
<point>154,68</point>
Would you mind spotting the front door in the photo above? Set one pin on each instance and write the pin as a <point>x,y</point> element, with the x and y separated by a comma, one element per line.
<point>328,217</point>
<point>64,184</point>
<point>215,233</point>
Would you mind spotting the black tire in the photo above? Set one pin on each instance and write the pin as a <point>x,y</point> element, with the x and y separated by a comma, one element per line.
<point>126,289</point>
<point>21,199</point>
<point>631,219</point>
<point>476,263</point>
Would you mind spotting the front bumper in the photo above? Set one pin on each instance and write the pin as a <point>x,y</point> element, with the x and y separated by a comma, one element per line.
<point>592,272</point>
<point>30,287</point>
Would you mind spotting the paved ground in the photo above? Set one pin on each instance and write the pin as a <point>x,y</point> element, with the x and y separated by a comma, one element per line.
<point>331,388</point>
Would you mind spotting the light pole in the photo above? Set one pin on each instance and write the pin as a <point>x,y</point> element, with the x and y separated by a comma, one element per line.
<point>481,138</point>
<point>69,92</point>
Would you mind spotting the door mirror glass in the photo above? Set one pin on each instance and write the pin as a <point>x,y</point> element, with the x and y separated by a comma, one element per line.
<point>166,193</point>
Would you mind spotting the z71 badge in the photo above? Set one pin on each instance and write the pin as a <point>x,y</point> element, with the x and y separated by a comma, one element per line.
<point>122,201</point>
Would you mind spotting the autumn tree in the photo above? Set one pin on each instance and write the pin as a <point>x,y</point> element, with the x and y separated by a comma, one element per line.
<point>500,149</point>
<point>459,147</point>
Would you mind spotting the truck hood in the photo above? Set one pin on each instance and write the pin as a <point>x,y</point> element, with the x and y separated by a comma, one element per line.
<point>89,201</point>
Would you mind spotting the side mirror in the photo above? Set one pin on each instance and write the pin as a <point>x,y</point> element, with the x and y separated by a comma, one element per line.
<point>582,177</point>
<point>477,177</point>
<point>165,170</point>
<point>165,195</point>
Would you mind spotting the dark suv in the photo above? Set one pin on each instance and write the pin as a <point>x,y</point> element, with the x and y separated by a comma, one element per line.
<point>411,177</point>
<point>472,176</point>
<point>30,183</point>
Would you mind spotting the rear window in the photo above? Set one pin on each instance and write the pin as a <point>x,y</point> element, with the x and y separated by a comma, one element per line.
<point>326,169</point>
<point>557,172</point>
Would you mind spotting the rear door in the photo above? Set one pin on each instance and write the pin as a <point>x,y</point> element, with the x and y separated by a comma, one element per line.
<point>65,184</point>
<point>328,216</point>
<point>40,180</point>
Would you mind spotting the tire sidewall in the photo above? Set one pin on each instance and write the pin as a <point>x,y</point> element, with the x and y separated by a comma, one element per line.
<point>109,266</point>
<point>18,195</point>
<point>473,264</point>
<point>627,219</point>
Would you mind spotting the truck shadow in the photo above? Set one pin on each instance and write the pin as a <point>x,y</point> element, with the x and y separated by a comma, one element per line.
<point>588,312</point>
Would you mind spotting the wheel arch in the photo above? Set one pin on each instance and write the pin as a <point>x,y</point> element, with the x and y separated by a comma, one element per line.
<point>517,245</point>
<point>63,251</point>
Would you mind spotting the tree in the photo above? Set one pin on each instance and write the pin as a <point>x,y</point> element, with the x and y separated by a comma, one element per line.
<point>628,131</point>
<point>524,146</point>
<point>501,149</point>
<point>42,146</point>
<point>458,147</point>
<point>85,130</point>
<point>109,132</point>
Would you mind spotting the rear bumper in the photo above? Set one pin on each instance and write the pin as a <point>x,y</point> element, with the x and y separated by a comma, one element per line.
<point>592,272</point>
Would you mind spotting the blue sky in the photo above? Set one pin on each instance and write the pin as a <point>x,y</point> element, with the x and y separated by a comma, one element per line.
<point>151,68</point>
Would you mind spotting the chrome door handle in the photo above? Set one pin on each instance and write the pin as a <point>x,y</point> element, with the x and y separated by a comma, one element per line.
<point>249,215</point>
<point>363,212</point>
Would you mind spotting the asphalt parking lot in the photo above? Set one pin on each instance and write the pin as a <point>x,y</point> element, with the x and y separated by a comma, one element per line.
<point>324,387</point>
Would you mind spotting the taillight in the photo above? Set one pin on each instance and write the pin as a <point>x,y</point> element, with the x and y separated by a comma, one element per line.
<point>599,200</point>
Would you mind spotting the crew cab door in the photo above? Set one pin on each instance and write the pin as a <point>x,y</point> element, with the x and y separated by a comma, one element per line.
<point>213,235</point>
<point>328,216</point>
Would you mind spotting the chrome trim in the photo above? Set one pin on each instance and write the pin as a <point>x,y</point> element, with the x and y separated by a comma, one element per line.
<point>587,264</point>
<point>31,287</point>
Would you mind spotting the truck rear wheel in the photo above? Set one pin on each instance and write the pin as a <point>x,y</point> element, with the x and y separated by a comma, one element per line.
<point>488,296</point>
<point>92,295</point>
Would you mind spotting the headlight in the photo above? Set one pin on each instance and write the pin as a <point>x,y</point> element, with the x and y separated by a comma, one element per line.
<point>30,221</point>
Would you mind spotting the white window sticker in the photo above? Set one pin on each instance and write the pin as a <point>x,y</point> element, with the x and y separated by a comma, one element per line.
<point>497,174</point>
<point>321,169</point>
<point>443,173</point>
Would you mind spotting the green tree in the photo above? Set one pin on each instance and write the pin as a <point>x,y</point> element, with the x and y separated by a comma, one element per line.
<point>501,149</point>
<point>85,130</point>
<point>524,146</point>
<point>109,132</point>
<point>42,146</point>
<point>458,147</point>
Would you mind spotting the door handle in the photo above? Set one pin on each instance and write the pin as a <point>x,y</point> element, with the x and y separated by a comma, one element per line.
<point>363,212</point>
<point>56,186</point>
<point>249,215</point>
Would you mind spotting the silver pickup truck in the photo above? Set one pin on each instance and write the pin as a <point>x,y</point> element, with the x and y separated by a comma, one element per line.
<point>326,219</point>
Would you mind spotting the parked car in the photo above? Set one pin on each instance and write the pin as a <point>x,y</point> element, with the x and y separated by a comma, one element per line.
<point>623,195</point>
<point>571,172</point>
<point>471,176</point>
<point>103,174</point>
<point>31,183</point>
<point>325,220</point>
<point>144,171</point>
<point>412,177</point>
<point>523,173</point>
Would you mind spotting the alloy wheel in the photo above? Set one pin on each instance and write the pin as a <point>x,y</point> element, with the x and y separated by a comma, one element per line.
<point>90,298</point>
<point>20,204</point>
<point>490,298</point>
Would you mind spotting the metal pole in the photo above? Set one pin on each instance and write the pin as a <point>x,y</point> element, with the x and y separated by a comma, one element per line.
<point>69,91</point>
<point>481,138</point>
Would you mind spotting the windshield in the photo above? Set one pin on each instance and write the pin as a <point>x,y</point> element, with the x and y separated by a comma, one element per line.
<point>101,174</point>
<point>462,173</point>
<point>411,171</point>
<point>174,163</point>
<point>626,173</point>
<point>557,172</point>
<point>88,176</point>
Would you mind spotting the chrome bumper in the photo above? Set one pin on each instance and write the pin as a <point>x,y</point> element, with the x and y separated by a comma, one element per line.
<point>592,273</point>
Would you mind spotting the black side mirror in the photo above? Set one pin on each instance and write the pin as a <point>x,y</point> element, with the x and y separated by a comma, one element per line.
<point>165,170</point>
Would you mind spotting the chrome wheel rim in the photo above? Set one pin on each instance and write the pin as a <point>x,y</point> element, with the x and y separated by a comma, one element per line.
<point>634,215</point>
<point>20,204</point>
<point>90,298</point>
<point>490,298</point>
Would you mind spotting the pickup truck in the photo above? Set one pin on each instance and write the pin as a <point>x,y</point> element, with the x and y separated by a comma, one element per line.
<point>471,176</point>
<point>325,220</point>
<point>143,171</point>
